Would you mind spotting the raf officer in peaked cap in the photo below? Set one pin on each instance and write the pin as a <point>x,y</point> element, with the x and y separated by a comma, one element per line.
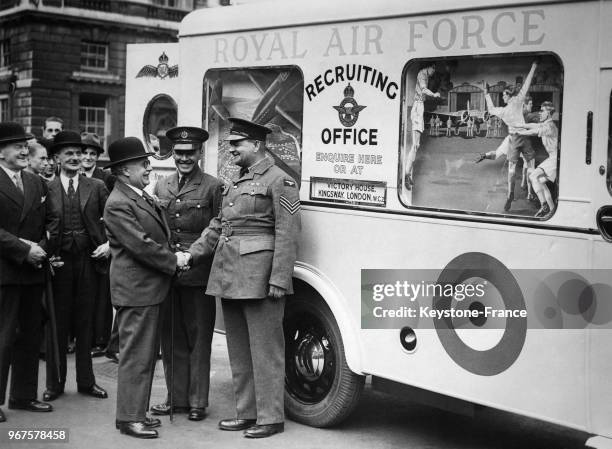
<point>189,198</point>
<point>254,241</point>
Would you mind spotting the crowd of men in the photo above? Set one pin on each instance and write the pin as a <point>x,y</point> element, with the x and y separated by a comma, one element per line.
<point>75,238</point>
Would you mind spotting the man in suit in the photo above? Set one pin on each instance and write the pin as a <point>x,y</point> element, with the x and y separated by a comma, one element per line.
<point>103,311</point>
<point>23,214</point>
<point>189,198</point>
<point>254,241</point>
<point>80,241</point>
<point>141,271</point>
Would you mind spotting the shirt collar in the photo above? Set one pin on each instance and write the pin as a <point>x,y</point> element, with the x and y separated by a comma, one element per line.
<point>135,189</point>
<point>65,181</point>
<point>11,173</point>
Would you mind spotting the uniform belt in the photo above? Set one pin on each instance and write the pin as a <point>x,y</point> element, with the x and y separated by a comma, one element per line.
<point>228,230</point>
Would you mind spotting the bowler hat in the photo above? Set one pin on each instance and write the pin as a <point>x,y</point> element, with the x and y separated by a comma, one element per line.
<point>126,149</point>
<point>245,129</point>
<point>66,139</point>
<point>13,132</point>
<point>187,138</point>
<point>91,140</point>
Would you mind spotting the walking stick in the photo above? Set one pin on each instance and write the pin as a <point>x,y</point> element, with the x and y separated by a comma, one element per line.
<point>50,305</point>
<point>172,297</point>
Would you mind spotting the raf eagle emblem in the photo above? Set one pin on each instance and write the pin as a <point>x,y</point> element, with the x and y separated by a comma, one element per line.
<point>348,111</point>
<point>162,70</point>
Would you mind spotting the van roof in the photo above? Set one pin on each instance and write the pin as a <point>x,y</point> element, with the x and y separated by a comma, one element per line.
<point>285,13</point>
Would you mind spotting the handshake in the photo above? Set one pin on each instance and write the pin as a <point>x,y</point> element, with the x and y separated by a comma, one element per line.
<point>183,260</point>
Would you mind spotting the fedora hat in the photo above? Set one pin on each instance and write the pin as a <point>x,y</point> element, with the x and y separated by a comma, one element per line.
<point>126,149</point>
<point>91,140</point>
<point>13,132</point>
<point>66,139</point>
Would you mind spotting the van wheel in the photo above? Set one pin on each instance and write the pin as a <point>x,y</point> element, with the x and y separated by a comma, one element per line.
<point>320,389</point>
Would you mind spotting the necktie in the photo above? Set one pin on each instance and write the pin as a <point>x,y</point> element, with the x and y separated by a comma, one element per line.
<point>71,191</point>
<point>148,199</point>
<point>18,182</point>
<point>182,182</point>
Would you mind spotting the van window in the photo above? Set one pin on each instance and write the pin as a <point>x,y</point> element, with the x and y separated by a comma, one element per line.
<point>480,134</point>
<point>269,96</point>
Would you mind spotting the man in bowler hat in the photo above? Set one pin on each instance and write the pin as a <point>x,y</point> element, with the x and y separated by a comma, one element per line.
<point>81,242</point>
<point>254,241</point>
<point>141,271</point>
<point>23,214</point>
<point>189,198</point>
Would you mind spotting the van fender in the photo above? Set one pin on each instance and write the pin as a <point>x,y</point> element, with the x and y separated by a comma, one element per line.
<point>337,304</point>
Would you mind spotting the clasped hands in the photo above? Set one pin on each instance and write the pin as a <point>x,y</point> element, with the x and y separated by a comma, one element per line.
<point>36,255</point>
<point>183,260</point>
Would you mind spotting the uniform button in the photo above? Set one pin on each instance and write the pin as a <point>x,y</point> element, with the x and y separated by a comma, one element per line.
<point>227,239</point>
<point>235,186</point>
<point>178,245</point>
<point>177,215</point>
<point>198,206</point>
<point>178,230</point>
<point>178,200</point>
<point>231,204</point>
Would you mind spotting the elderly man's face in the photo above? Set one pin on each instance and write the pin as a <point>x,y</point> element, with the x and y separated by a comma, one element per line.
<point>14,155</point>
<point>69,158</point>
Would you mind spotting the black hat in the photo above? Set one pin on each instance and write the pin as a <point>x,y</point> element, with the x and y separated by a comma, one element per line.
<point>66,139</point>
<point>187,138</point>
<point>13,132</point>
<point>126,149</point>
<point>245,129</point>
<point>91,140</point>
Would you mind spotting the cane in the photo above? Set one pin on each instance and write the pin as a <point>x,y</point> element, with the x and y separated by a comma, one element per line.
<point>50,306</point>
<point>172,298</point>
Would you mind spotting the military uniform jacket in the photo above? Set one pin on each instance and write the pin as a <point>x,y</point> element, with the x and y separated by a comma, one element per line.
<point>188,213</point>
<point>142,264</point>
<point>22,215</point>
<point>254,239</point>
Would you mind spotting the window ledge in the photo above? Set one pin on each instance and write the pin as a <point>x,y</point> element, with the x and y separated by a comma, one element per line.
<point>5,71</point>
<point>103,77</point>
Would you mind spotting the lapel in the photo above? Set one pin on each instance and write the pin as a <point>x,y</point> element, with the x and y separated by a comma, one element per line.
<point>55,198</point>
<point>84,191</point>
<point>8,187</point>
<point>142,204</point>
<point>173,184</point>
<point>194,180</point>
<point>29,193</point>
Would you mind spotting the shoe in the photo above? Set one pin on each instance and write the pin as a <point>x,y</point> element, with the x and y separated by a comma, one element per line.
<point>51,395</point>
<point>543,212</point>
<point>197,414</point>
<point>164,409</point>
<point>151,423</point>
<point>31,405</point>
<point>264,430</point>
<point>97,351</point>
<point>236,424</point>
<point>137,430</point>
<point>94,391</point>
<point>509,202</point>
<point>2,417</point>
<point>113,356</point>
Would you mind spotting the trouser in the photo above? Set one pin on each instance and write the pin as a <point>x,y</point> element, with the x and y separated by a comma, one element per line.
<point>256,347</point>
<point>21,319</point>
<point>138,346</point>
<point>103,313</point>
<point>113,341</point>
<point>194,323</point>
<point>74,290</point>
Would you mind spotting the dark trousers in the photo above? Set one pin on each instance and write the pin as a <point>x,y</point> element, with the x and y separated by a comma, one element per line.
<point>194,323</point>
<point>74,290</point>
<point>103,313</point>
<point>21,319</point>
<point>256,347</point>
<point>138,345</point>
<point>113,341</point>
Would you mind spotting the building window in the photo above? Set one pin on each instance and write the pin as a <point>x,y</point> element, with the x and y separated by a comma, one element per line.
<point>93,116</point>
<point>94,55</point>
<point>4,109</point>
<point>5,52</point>
<point>168,3</point>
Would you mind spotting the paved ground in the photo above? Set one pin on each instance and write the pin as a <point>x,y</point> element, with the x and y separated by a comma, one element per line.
<point>380,421</point>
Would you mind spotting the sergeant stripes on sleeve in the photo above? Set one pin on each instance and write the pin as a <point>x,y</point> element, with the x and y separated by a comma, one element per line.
<point>291,207</point>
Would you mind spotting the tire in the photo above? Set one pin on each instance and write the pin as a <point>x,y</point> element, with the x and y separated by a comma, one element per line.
<point>320,389</point>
